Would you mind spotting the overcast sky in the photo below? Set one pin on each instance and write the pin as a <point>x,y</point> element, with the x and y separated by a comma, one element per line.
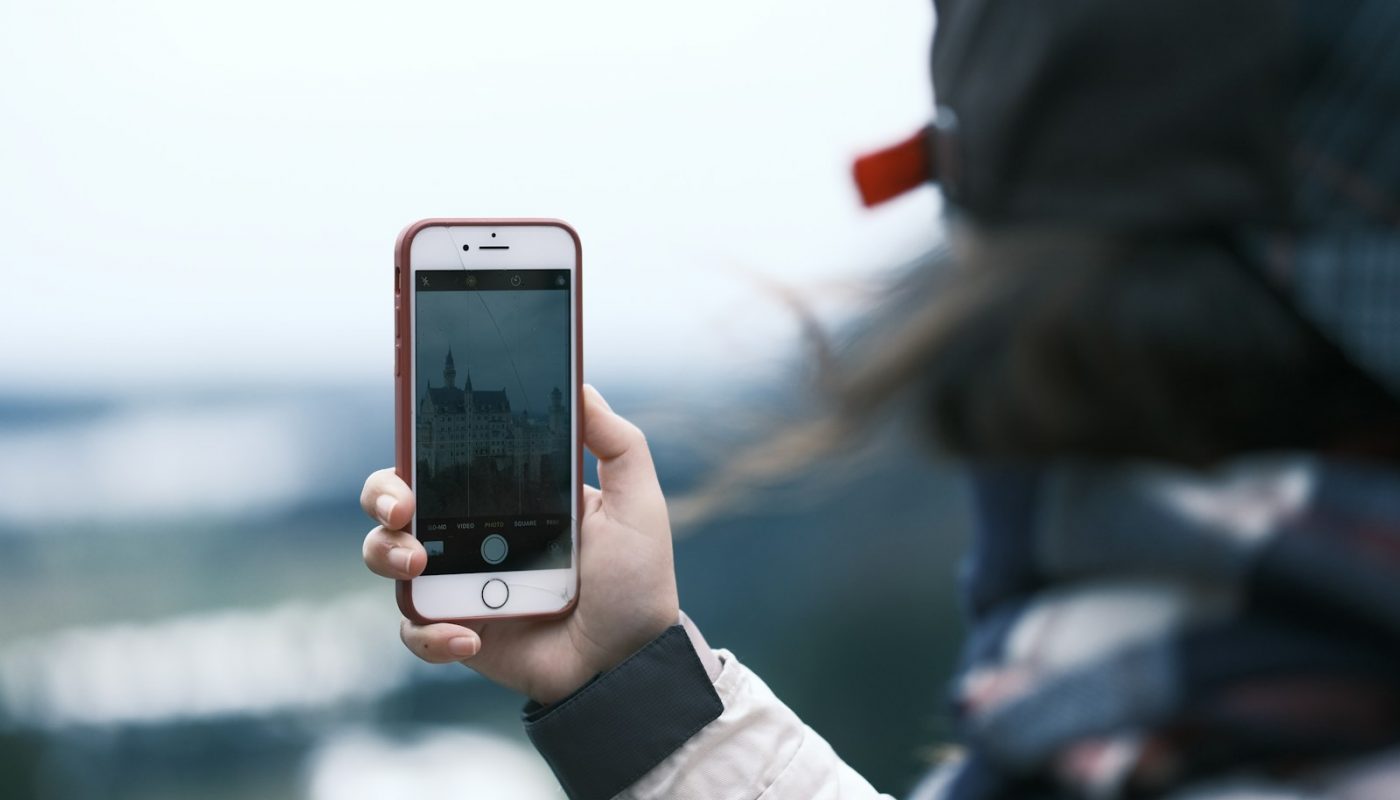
<point>516,341</point>
<point>208,193</point>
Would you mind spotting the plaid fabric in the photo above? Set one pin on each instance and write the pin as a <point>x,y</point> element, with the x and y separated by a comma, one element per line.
<point>1346,159</point>
<point>1143,632</point>
<point>1344,269</point>
<point>1348,285</point>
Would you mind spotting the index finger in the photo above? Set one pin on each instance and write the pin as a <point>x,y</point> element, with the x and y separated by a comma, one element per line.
<point>387,499</point>
<point>624,461</point>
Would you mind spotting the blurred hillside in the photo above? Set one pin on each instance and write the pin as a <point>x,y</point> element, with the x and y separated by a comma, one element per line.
<point>232,645</point>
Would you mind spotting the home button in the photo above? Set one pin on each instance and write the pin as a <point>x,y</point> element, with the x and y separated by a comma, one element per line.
<point>495,593</point>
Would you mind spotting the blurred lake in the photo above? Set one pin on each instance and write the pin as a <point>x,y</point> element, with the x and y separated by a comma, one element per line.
<point>187,614</point>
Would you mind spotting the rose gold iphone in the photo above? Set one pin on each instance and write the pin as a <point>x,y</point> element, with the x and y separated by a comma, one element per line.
<point>487,376</point>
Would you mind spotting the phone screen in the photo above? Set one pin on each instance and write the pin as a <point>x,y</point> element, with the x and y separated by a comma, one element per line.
<point>493,437</point>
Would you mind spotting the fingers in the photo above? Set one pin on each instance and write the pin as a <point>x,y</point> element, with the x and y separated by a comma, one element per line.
<point>440,642</point>
<point>624,461</point>
<point>394,554</point>
<point>387,500</point>
<point>592,499</point>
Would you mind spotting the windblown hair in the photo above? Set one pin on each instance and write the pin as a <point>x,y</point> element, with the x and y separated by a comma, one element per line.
<point>1032,346</point>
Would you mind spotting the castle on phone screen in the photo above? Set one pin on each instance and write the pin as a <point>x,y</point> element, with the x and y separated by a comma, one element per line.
<point>477,455</point>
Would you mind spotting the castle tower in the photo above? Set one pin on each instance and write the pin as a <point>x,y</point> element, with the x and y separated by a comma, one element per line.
<point>449,370</point>
<point>557,422</point>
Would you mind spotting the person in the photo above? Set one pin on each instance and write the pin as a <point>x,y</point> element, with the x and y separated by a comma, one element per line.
<point>1165,338</point>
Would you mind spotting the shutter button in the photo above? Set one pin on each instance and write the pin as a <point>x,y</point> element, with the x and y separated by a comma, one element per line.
<point>494,549</point>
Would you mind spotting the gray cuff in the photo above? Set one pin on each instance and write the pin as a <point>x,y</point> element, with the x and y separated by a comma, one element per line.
<point>603,737</point>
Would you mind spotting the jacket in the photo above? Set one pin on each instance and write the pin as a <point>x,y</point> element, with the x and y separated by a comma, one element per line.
<point>1136,632</point>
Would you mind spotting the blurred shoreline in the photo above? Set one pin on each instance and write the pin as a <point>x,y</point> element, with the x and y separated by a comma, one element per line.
<point>163,548</point>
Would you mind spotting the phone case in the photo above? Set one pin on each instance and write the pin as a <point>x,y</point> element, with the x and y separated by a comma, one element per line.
<point>403,392</point>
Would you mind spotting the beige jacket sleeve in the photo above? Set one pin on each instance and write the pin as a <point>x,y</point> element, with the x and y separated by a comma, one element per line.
<point>757,748</point>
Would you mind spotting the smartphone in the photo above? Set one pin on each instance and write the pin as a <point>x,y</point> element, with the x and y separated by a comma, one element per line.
<point>488,372</point>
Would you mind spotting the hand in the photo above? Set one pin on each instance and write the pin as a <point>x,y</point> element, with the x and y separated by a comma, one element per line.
<point>627,591</point>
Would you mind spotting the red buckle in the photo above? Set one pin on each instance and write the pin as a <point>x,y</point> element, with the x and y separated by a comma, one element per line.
<point>886,174</point>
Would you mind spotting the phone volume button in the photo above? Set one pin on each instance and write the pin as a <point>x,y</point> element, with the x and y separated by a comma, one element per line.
<point>398,352</point>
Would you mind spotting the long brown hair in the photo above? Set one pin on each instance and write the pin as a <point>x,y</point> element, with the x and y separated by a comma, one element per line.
<point>1043,344</point>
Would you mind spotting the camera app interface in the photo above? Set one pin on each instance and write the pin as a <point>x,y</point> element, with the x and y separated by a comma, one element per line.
<point>492,380</point>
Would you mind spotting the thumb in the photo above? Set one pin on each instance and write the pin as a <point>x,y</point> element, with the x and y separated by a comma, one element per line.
<point>624,460</point>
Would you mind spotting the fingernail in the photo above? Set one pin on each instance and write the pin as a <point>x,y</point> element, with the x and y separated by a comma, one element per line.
<point>462,646</point>
<point>402,559</point>
<point>385,506</point>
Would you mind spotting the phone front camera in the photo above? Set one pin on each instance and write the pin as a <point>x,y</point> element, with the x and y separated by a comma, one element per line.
<point>466,247</point>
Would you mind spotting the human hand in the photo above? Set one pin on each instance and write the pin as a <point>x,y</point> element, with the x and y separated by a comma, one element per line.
<point>627,580</point>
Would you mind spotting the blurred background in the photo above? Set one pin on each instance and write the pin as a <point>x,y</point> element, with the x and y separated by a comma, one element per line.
<point>199,206</point>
